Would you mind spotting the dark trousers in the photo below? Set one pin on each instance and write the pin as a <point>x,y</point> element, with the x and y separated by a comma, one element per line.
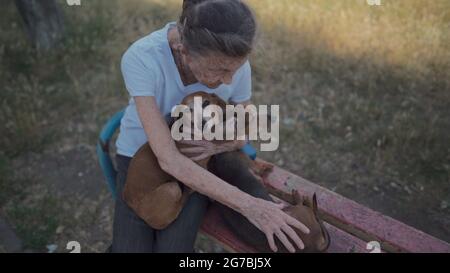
<point>132,235</point>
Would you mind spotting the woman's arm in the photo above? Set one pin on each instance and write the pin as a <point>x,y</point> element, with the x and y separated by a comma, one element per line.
<point>265,215</point>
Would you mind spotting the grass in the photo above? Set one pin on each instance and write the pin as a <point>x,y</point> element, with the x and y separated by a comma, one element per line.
<point>35,216</point>
<point>41,91</point>
<point>363,90</point>
<point>5,187</point>
<point>378,75</point>
<point>36,224</point>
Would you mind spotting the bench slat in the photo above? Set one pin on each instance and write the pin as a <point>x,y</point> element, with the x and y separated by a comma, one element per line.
<point>342,242</point>
<point>354,218</point>
<point>214,227</point>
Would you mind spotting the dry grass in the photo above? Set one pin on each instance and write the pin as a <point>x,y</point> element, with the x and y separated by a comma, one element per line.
<point>346,63</point>
<point>364,91</point>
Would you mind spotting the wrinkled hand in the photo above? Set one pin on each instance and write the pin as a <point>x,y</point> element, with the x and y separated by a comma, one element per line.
<point>202,149</point>
<point>272,220</point>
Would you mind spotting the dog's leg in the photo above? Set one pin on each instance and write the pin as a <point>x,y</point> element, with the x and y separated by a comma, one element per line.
<point>234,169</point>
<point>167,198</point>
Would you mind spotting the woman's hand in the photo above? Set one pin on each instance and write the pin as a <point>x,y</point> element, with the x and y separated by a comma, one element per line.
<point>272,220</point>
<point>202,149</point>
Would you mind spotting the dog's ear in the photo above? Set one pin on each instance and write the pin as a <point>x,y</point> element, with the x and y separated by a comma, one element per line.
<point>170,120</point>
<point>314,203</point>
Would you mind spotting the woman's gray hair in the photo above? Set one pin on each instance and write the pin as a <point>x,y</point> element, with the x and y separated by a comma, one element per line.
<point>217,26</point>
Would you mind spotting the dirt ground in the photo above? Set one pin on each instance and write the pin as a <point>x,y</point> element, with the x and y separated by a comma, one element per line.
<point>72,176</point>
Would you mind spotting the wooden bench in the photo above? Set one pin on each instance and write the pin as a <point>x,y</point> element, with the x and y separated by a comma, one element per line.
<point>351,225</point>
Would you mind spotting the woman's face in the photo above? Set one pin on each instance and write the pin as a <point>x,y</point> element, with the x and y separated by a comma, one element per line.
<point>213,70</point>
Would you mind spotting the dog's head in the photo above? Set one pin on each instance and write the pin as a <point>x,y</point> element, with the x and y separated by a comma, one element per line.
<point>306,210</point>
<point>207,99</point>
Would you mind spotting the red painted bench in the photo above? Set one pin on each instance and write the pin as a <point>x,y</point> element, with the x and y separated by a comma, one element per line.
<point>351,225</point>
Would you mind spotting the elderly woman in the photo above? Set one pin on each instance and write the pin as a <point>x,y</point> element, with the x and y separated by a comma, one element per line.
<point>208,50</point>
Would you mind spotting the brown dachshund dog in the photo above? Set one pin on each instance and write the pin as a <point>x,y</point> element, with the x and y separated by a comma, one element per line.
<point>153,194</point>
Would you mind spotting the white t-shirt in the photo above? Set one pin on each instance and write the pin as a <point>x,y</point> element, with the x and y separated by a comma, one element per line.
<point>149,69</point>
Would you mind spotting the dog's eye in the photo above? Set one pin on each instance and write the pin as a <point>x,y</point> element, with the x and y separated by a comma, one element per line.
<point>205,103</point>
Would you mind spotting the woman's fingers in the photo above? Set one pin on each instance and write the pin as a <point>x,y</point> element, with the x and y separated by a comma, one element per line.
<point>192,150</point>
<point>200,157</point>
<point>271,241</point>
<point>279,224</point>
<point>285,240</point>
<point>281,205</point>
<point>296,223</point>
<point>194,142</point>
<point>294,236</point>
